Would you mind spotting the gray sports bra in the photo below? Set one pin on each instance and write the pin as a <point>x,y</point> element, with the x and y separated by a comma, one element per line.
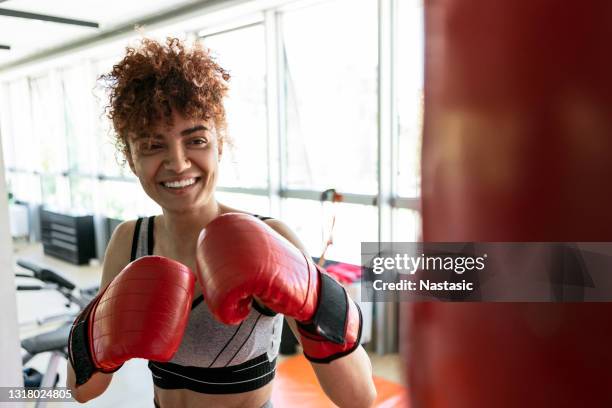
<point>214,358</point>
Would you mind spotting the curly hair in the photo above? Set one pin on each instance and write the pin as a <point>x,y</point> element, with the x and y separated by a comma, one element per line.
<point>153,79</point>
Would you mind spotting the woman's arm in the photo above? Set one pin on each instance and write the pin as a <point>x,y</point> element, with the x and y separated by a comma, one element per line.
<point>116,258</point>
<point>347,381</point>
<point>97,384</point>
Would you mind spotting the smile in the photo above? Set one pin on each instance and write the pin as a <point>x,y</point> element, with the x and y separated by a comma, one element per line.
<point>180,184</point>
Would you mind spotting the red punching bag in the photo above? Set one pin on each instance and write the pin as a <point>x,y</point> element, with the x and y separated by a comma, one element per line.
<point>517,147</point>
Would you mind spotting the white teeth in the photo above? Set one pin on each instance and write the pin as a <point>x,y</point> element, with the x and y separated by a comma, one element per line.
<point>180,184</point>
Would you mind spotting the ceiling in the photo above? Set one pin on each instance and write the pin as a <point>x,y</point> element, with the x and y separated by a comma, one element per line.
<point>25,29</point>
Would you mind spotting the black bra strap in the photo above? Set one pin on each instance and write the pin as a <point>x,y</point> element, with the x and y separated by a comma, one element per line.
<point>150,239</point>
<point>135,239</point>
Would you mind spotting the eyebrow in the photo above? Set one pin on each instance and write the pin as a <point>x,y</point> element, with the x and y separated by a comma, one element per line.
<point>194,129</point>
<point>185,132</point>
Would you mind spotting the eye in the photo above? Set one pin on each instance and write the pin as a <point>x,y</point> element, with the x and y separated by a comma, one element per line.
<point>150,147</point>
<point>199,141</point>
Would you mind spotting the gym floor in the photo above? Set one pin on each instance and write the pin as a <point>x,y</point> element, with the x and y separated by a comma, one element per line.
<point>132,385</point>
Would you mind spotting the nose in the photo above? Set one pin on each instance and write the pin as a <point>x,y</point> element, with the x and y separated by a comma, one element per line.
<point>176,159</point>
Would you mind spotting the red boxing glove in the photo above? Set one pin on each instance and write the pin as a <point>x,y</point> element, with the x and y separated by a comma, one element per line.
<point>240,257</point>
<point>142,313</point>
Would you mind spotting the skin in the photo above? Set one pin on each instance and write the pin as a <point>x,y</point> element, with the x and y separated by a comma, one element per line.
<point>190,148</point>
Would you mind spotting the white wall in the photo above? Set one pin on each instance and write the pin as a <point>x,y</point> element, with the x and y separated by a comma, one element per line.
<point>10,352</point>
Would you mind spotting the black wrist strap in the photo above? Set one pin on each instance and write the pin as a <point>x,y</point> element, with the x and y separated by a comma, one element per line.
<point>78,346</point>
<point>329,321</point>
<point>328,359</point>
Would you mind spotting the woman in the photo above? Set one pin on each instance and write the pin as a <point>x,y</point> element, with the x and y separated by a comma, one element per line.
<point>167,111</point>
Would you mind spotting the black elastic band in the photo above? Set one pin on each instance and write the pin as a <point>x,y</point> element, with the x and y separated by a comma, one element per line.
<point>248,376</point>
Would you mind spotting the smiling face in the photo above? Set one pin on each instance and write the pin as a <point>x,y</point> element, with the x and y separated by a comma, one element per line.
<point>177,165</point>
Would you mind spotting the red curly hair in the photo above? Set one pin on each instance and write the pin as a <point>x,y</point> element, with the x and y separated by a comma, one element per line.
<point>154,78</point>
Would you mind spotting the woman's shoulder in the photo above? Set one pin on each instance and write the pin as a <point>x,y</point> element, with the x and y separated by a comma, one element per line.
<point>284,230</point>
<point>118,251</point>
<point>123,233</point>
<point>276,224</point>
<point>224,209</point>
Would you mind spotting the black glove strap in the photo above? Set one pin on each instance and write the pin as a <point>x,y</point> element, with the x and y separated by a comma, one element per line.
<point>78,346</point>
<point>330,358</point>
<point>329,321</point>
